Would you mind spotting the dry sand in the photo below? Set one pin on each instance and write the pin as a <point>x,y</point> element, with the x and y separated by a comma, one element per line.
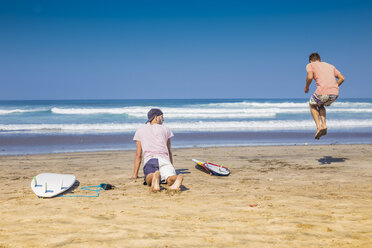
<point>283,196</point>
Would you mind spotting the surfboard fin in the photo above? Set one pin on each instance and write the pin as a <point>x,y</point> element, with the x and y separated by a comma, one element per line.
<point>46,188</point>
<point>37,185</point>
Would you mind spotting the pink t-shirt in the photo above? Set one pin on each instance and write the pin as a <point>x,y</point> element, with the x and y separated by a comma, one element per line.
<point>154,140</point>
<point>325,77</point>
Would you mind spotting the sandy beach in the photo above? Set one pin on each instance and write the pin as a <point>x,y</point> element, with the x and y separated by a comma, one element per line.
<point>276,196</point>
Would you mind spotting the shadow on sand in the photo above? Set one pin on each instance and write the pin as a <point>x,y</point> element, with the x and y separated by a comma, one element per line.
<point>202,169</point>
<point>182,171</point>
<point>330,159</point>
<point>73,187</point>
<point>182,189</point>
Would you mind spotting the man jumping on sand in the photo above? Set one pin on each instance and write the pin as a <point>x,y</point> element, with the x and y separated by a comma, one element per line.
<point>326,91</point>
<point>153,139</point>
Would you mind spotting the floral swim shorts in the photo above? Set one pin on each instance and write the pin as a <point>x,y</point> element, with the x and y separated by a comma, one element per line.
<point>322,100</point>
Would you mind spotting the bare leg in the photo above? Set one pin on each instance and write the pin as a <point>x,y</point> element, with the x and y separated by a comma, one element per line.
<point>149,179</point>
<point>315,113</point>
<point>322,112</point>
<point>155,184</point>
<point>152,180</point>
<point>175,182</point>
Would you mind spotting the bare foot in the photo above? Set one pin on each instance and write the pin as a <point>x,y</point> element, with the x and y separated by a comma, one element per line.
<point>177,184</point>
<point>155,186</point>
<point>324,128</point>
<point>318,133</point>
<point>323,131</point>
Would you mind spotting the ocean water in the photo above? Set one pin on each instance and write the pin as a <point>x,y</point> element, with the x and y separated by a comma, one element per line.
<point>80,125</point>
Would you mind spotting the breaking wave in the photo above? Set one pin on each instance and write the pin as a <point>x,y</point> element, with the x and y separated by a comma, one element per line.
<point>202,126</point>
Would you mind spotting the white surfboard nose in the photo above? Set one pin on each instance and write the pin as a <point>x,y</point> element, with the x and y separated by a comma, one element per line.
<point>213,168</point>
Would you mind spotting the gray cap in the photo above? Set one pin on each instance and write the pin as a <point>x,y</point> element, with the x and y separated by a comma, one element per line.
<point>153,113</point>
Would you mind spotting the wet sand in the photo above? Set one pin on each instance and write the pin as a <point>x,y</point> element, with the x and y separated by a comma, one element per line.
<point>277,196</point>
<point>20,144</point>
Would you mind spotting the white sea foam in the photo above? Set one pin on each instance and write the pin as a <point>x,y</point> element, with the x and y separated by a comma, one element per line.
<point>235,110</point>
<point>349,110</point>
<point>88,111</point>
<point>205,126</point>
<point>203,113</point>
<point>352,104</point>
<point>12,111</point>
<point>183,112</point>
<point>248,104</point>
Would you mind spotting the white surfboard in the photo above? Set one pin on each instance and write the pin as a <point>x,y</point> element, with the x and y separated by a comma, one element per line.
<point>51,184</point>
<point>215,169</point>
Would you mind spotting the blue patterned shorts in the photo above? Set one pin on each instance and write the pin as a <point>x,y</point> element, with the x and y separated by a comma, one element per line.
<point>322,100</point>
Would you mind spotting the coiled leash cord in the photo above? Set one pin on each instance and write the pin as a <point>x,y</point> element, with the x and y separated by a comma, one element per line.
<point>97,189</point>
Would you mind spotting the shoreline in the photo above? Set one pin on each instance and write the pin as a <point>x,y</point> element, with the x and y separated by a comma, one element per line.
<point>102,151</point>
<point>275,196</point>
<point>14,144</point>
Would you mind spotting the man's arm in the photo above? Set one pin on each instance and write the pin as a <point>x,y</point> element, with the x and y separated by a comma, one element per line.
<point>137,160</point>
<point>169,151</point>
<point>309,79</point>
<point>340,79</point>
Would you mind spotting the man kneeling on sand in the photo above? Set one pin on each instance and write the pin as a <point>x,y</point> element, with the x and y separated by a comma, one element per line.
<point>153,139</point>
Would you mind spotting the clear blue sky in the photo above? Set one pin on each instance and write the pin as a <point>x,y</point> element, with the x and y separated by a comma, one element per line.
<point>179,49</point>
